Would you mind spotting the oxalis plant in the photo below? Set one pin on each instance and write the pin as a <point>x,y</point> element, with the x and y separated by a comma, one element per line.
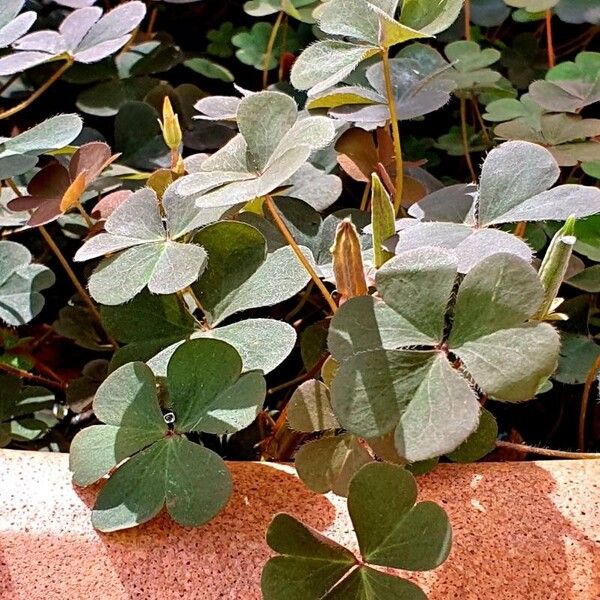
<point>276,274</point>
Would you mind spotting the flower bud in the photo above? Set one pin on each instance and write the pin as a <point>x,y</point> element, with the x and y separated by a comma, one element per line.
<point>382,220</point>
<point>169,126</point>
<point>348,269</point>
<point>554,266</point>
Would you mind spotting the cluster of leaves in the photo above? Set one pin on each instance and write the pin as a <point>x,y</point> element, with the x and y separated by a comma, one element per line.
<point>298,233</point>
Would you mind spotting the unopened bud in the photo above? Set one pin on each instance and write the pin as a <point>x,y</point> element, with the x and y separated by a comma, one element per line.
<point>554,266</point>
<point>348,269</point>
<point>382,220</point>
<point>169,126</point>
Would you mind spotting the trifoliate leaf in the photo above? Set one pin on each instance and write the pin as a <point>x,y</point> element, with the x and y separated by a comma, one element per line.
<point>20,284</point>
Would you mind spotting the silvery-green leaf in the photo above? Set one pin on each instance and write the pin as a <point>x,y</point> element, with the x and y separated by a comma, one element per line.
<point>218,108</point>
<point>503,364</point>
<point>481,442</point>
<point>263,120</point>
<point>577,356</point>
<point>109,33</point>
<point>350,18</point>
<point>165,267</point>
<point>309,408</point>
<point>565,96</point>
<point>489,13</point>
<point>578,11</point>
<point>512,173</point>
<point>399,279</point>
<point>441,414</point>
<point>430,17</point>
<point>326,63</point>
<point>372,389</point>
<point>252,338</point>
<point>507,286</point>
<point>21,61</point>
<point>365,323</point>
<point>314,186</point>
<point>12,27</point>
<point>20,284</point>
<point>314,132</point>
<point>555,205</point>
<point>470,245</point>
<point>329,463</point>
<point>52,134</point>
<point>449,204</point>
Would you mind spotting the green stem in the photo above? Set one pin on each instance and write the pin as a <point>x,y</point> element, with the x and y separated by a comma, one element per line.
<point>269,51</point>
<point>301,258</point>
<point>389,90</point>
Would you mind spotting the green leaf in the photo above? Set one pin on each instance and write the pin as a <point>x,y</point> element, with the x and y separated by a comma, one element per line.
<point>430,17</point>
<point>329,463</point>
<point>206,391</point>
<point>471,63</point>
<point>274,108</point>
<point>326,63</point>
<point>365,583</point>
<point>426,268</point>
<point>507,286</point>
<point>147,317</point>
<point>400,534</point>
<point>310,563</point>
<point>172,472</point>
<point>20,284</point>
<point>309,408</point>
<point>587,280</point>
<point>146,248</point>
<point>577,356</point>
<point>210,69</point>
<point>481,442</point>
<point>128,403</point>
<point>240,275</point>
<point>503,364</point>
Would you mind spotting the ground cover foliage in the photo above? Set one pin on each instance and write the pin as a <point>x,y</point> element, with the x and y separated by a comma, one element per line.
<point>363,236</point>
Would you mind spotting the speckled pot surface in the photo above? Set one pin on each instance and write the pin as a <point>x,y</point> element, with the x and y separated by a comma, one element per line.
<point>522,531</point>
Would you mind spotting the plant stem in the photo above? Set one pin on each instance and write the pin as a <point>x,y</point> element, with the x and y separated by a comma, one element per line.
<point>31,377</point>
<point>364,202</point>
<point>547,451</point>
<point>83,213</point>
<point>549,42</point>
<point>389,90</point>
<point>152,22</point>
<point>465,138</point>
<point>76,284</point>
<point>22,105</point>
<point>282,51</point>
<point>269,51</point>
<point>467,16</point>
<point>483,126</point>
<point>520,229</point>
<point>585,396</point>
<point>303,260</point>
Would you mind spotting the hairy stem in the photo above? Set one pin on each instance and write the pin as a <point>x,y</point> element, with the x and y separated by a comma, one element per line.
<point>58,385</point>
<point>465,138</point>
<point>22,105</point>
<point>269,51</point>
<point>549,42</point>
<point>303,260</point>
<point>585,396</point>
<point>399,180</point>
<point>547,451</point>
